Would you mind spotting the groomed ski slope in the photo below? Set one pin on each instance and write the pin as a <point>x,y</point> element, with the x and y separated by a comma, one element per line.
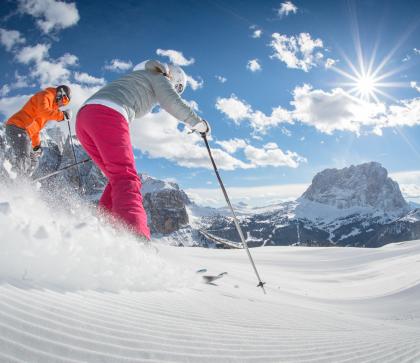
<point>107,299</point>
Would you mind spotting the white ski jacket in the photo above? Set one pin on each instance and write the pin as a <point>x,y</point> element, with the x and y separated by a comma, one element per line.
<point>139,91</point>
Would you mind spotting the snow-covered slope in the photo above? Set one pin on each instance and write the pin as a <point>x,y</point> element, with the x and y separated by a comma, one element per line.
<point>72,290</point>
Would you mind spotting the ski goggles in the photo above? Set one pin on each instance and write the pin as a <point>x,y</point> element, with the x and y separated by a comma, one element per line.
<point>64,100</point>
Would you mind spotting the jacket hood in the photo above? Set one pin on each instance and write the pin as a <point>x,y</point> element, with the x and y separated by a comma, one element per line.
<point>156,66</point>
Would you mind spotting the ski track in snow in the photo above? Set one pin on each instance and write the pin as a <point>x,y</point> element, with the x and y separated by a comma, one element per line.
<point>322,304</point>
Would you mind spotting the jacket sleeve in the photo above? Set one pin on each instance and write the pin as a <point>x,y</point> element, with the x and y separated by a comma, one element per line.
<point>46,110</point>
<point>170,101</point>
<point>36,140</point>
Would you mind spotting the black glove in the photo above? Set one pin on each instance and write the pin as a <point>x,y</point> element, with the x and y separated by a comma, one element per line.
<point>36,152</point>
<point>67,115</point>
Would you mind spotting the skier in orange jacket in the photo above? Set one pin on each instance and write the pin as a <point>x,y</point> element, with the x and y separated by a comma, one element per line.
<point>24,127</point>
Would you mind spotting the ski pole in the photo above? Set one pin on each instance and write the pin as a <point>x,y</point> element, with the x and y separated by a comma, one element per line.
<point>74,156</point>
<point>60,170</point>
<point>235,219</point>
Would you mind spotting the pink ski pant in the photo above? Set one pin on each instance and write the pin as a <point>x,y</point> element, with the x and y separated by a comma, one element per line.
<point>105,135</point>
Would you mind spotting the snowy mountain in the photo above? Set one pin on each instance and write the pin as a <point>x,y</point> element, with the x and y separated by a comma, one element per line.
<point>366,185</point>
<point>355,206</point>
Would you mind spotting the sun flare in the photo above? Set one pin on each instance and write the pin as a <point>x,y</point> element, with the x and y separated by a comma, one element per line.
<point>366,86</point>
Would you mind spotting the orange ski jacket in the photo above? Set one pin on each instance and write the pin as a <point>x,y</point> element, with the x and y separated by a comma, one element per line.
<point>41,108</point>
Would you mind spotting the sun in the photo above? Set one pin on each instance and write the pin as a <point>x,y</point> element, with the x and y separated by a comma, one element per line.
<point>365,87</point>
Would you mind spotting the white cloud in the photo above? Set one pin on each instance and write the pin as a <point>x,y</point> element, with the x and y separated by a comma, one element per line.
<point>416,51</point>
<point>175,57</point>
<point>329,63</point>
<point>83,77</point>
<point>231,146</point>
<point>254,196</point>
<point>271,155</point>
<point>20,82</point>
<point>415,86</point>
<point>4,90</point>
<point>117,65</point>
<point>239,111</point>
<point>327,111</point>
<point>54,71</point>
<point>286,8</point>
<point>34,53</point>
<point>51,14</point>
<point>234,108</point>
<point>221,79</point>
<point>409,182</point>
<point>406,113</point>
<point>297,51</point>
<point>47,71</point>
<point>10,105</point>
<point>158,136</point>
<point>195,84</point>
<point>10,38</point>
<point>286,132</point>
<point>257,33</point>
<point>334,110</point>
<point>253,65</point>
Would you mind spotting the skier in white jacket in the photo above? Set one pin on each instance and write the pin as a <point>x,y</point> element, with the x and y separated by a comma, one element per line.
<point>102,128</point>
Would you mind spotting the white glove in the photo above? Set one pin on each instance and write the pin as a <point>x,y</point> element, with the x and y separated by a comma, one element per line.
<point>68,114</point>
<point>202,127</point>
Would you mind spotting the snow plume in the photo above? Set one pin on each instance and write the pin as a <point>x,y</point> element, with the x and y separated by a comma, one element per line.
<point>48,245</point>
<point>286,8</point>
<point>50,14</point>
<point>299,52</point>
<point>175,57</point>
<point>10,38</point>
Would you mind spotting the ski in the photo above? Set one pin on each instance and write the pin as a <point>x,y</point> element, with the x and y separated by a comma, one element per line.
<point>208,279</point>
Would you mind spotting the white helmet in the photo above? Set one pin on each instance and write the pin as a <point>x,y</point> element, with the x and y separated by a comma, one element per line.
<point>177,77</point>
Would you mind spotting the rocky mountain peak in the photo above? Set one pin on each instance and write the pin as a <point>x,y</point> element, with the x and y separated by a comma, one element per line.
<point>364,185</point>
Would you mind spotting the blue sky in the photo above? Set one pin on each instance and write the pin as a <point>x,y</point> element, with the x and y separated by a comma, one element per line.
<point>274,79</point>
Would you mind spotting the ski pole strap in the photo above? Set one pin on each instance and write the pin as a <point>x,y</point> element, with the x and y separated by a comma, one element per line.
<point>235,219</point>
<point>60,170</point>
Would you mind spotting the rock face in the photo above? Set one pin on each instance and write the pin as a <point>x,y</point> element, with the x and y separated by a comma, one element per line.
<point>165,205</point>
<point>365,185</point>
